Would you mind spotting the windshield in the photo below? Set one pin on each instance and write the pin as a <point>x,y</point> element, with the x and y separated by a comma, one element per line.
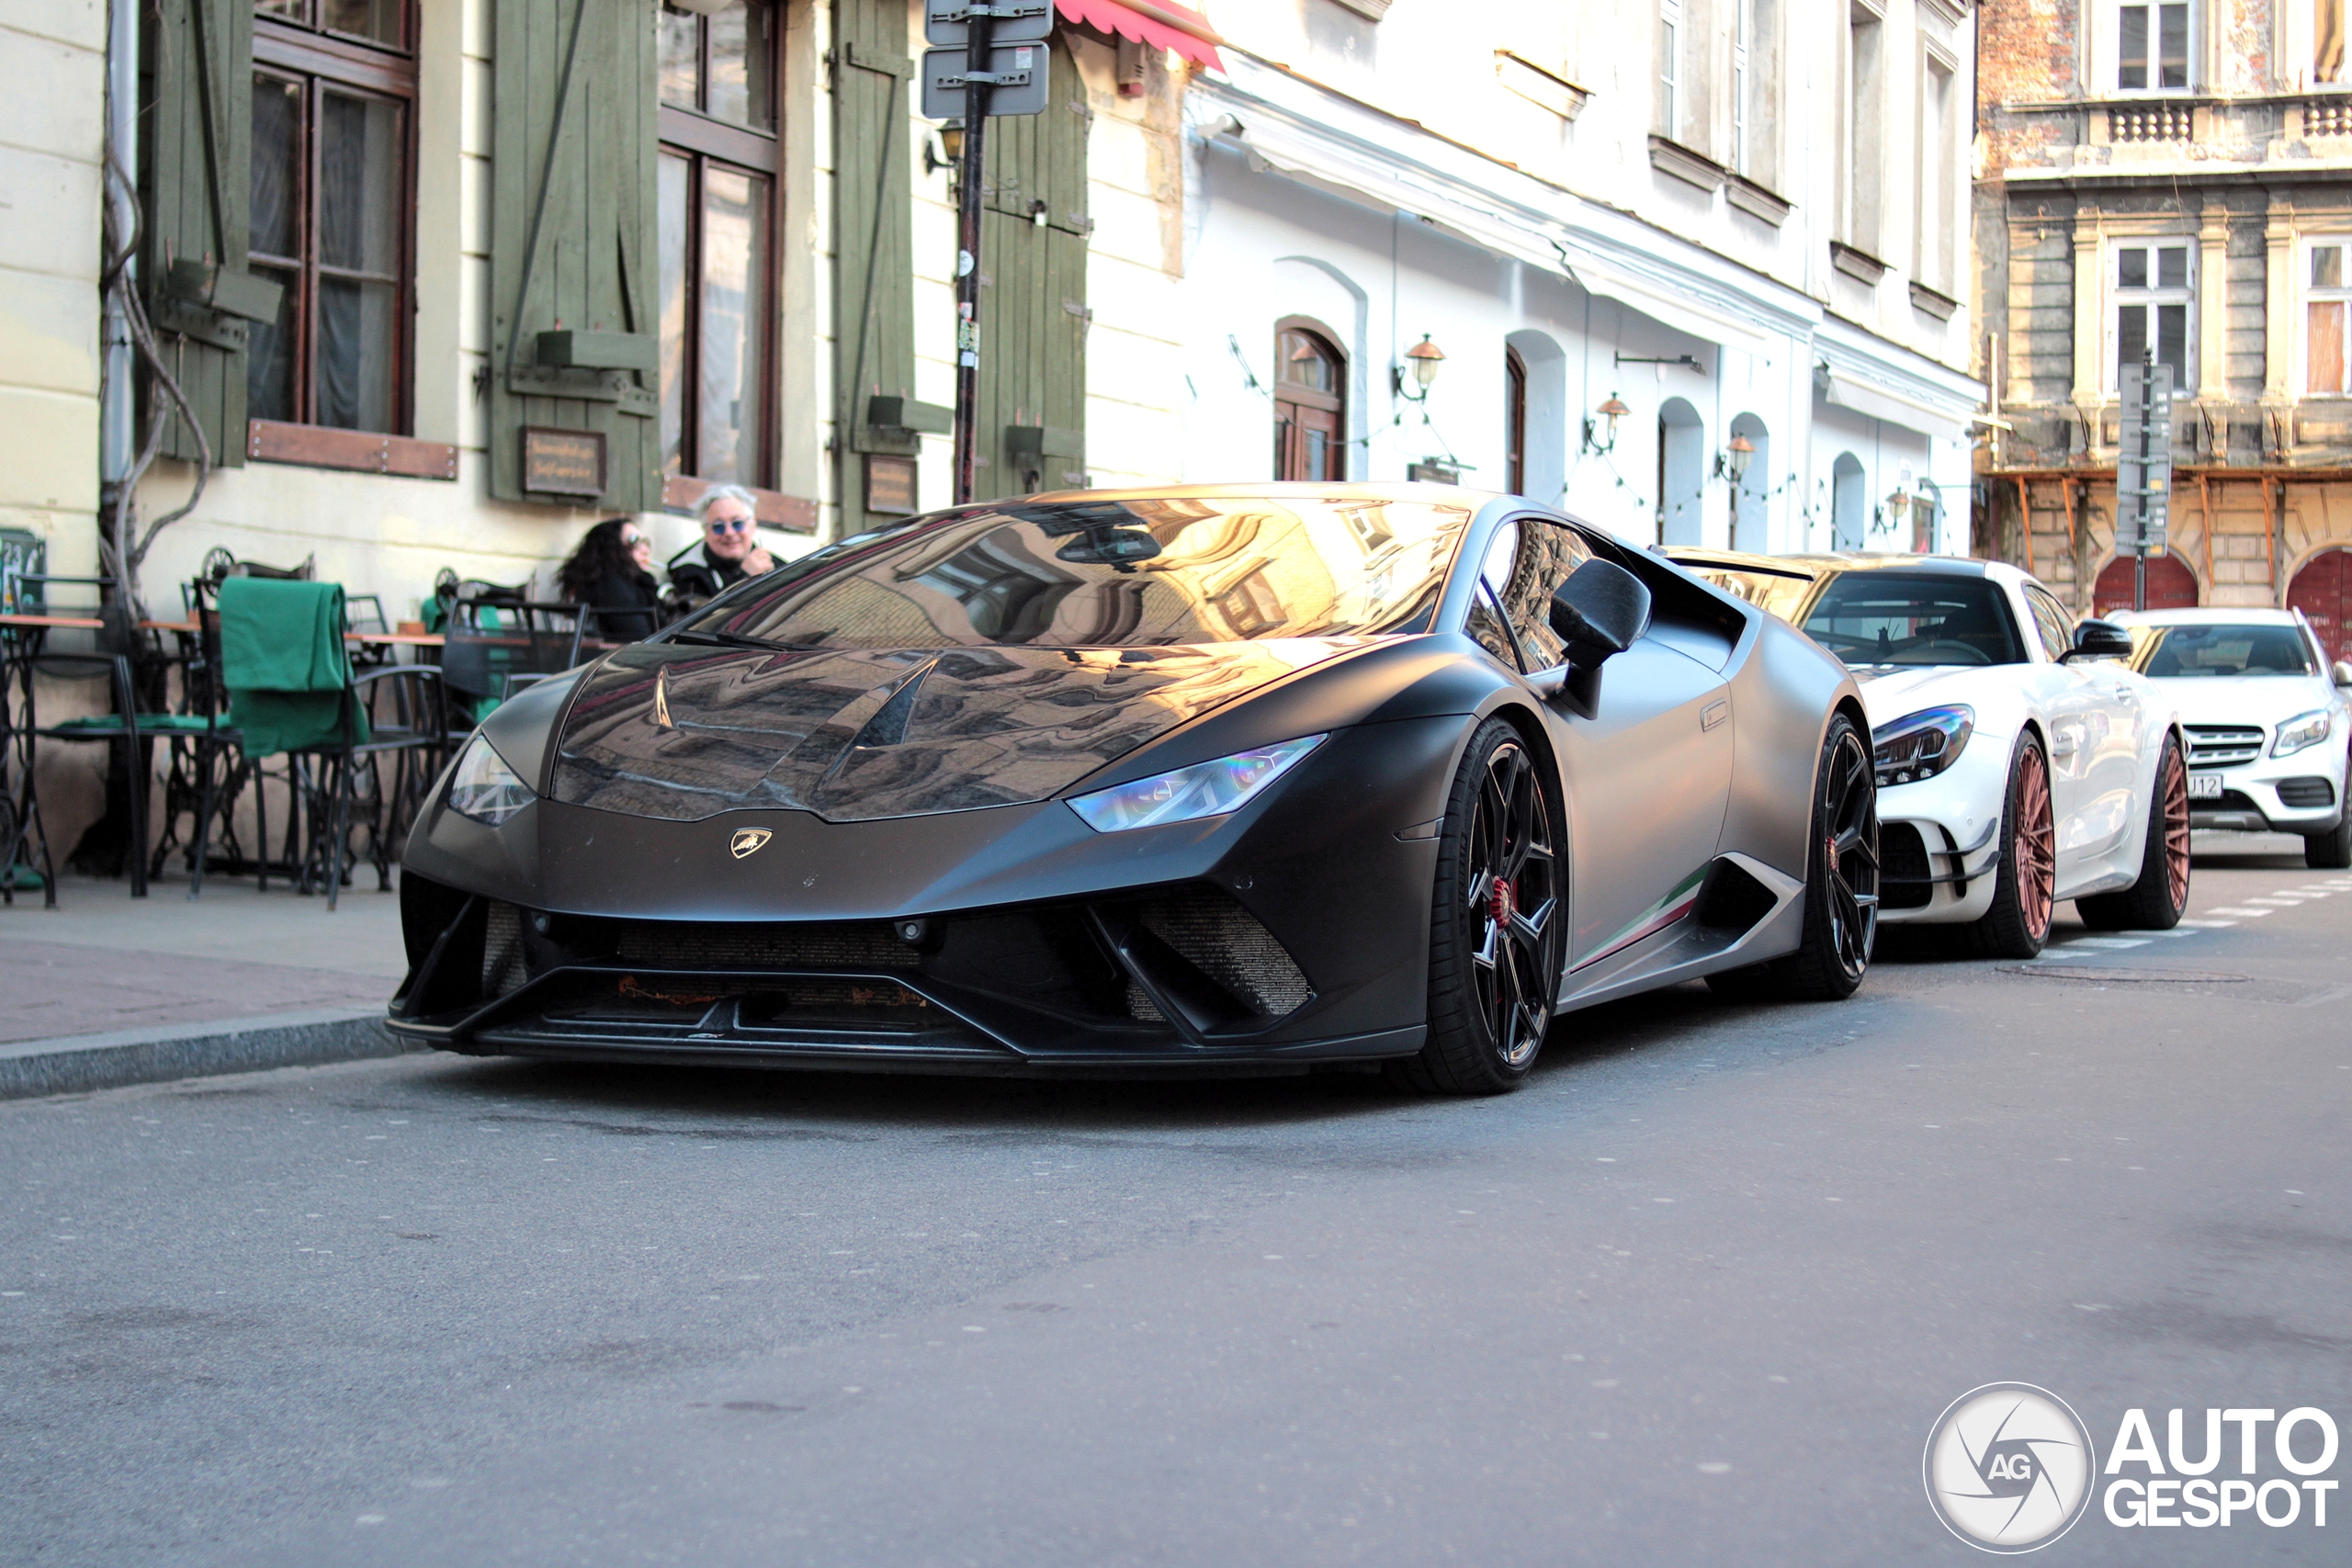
<point>1886,618</point>
<point>2190,653</point>
<point>1108,574</point>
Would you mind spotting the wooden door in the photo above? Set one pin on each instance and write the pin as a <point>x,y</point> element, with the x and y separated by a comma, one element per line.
<point>2171,585</point>
<point>2322,591</point>
<point>1310,407</point>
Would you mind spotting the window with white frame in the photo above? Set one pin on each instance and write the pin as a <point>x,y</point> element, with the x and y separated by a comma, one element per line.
<point>2151,46</point>
<point>1669,68</point>
<point>1939,174</point>
<point>2327,316</point>
<point>2155,298</point>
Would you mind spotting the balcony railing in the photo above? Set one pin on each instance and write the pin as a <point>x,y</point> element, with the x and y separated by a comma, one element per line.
<point>2151,122</point>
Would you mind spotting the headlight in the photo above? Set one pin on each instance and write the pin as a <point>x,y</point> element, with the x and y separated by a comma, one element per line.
<point>483,787</point>
<point>2303,730</point>
<point>1921,745</point>
<point>1204,789</point>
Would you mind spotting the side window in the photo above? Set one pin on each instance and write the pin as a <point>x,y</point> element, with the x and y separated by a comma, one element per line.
<point>2049,619</point>
<point>1486,628</point>
<point>1529,559</point>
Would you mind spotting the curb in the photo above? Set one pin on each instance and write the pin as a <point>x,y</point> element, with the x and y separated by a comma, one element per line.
<point>79,1064</point>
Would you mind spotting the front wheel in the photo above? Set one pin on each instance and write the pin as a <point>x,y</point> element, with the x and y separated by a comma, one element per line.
<point>1841,885</point>
<point>2333,851</point>
<point>2160,897</point>
<point>1497,922</point>
<point>2025,884</point>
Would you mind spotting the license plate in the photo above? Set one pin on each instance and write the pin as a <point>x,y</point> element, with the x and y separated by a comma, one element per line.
<point>2204,786</point>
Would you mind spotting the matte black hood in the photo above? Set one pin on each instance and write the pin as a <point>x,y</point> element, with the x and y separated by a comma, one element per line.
<point>682,733</point>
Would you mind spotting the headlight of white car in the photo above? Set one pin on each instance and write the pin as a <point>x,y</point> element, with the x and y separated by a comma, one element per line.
<point>2303,731</point>
<point>1920,745</point>
<point>1204,789</point>
<point>483,787</point>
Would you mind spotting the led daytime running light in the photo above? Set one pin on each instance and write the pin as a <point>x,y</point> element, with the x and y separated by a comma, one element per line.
<point>1204,789</point>
<point>1921,745</point>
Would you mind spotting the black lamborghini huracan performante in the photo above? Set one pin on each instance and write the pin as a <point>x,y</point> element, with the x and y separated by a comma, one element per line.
<point>1200,779</point>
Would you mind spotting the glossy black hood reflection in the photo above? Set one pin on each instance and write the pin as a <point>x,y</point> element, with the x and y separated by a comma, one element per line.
<point>684,733</point>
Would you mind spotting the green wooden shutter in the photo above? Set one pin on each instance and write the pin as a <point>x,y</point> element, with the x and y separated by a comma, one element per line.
<point>1032,295</point>
<point>195,184</point>
<point>573,243</point>
<point>874,348</point>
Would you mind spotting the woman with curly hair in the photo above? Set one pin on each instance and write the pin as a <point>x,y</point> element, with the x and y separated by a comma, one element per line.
<point>612,573</point>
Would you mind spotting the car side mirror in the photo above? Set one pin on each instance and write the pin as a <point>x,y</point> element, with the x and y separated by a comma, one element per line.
<point>2100,639</point>
<point>2342,673</point>
<point>1600,612</point>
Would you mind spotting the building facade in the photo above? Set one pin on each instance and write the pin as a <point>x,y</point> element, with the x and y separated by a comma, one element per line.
<point>2175,174</point>
<point>1696,268</point>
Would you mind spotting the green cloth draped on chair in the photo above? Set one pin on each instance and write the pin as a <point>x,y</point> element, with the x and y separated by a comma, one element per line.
<point>283,660</point>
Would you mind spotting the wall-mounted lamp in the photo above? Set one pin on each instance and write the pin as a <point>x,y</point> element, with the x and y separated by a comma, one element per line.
<point>1733,460</point>
<point>1423,359</point>
<point>1898,502</point>
<point>1611,412</point>
<point>950,151</point>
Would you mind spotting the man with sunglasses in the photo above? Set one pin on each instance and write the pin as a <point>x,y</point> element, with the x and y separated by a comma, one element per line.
<point>730,551</point>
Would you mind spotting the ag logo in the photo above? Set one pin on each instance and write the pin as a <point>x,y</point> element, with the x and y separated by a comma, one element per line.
<point>747,840</point>
<point>2008,1467</point>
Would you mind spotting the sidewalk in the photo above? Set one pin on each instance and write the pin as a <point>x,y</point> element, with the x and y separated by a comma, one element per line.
<point>107,989</point>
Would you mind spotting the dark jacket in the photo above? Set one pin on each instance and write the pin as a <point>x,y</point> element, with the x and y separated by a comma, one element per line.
<point>694,577</point>
<point>626,605</point>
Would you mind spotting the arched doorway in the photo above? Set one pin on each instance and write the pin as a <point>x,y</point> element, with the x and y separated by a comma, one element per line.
<point>1310,402</point>
<point>1751,495</point>
<point>1926,518</point>
<point>2322,589</point>
<point>2171,585</point>
<point>1681,473</point>
<point>1514,423</point>
<point>1849,505</point>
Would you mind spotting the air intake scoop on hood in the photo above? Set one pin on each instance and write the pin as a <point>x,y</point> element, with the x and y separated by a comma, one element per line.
<point>681,733</point>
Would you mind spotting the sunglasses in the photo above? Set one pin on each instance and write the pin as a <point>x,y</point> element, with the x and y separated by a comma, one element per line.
<point>630,541</point>
<point>729,524</point>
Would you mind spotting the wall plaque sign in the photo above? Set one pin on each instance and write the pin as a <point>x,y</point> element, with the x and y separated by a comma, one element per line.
<point>563,462</point>
<point>889,484</point>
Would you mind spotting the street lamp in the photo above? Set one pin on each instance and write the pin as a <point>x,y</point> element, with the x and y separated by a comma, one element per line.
<point>1424,357</point>
<point>1612,410</point>
<point>1733,460</point>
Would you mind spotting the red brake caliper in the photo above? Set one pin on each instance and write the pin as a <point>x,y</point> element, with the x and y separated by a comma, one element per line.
<point>1503,901</point>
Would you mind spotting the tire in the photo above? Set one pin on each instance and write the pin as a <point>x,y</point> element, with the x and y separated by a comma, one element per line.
<point>2026,880</point>
<point>2331,851</point>
<point>2160,897</point>
<point>1497,918</point>
<point>1841,885</point>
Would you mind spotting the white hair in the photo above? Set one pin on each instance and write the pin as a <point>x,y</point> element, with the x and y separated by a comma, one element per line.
<point>717,493</point>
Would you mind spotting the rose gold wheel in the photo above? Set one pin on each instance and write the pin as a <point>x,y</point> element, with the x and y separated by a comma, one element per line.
<point>2037,845</point>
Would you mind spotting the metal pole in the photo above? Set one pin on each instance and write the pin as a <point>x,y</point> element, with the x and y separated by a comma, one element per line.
<point>2140,505</point>
<point>117,436</point>
<point>980,34</point>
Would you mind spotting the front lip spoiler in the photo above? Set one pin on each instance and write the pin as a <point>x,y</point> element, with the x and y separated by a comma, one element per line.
<point>980,1032</point>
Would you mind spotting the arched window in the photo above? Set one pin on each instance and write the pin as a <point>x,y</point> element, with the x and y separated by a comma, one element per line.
<point>1849,505</point>
<point>1310,403</point>
<point>1681,473</point>
<point>1751,493</point>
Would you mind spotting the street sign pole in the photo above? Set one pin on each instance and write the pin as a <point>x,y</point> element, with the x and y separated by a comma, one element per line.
<point>980,32</point>
<point>2144,468</point>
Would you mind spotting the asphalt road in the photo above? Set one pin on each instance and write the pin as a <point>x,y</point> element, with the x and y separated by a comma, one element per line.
<point>1696,1295</point>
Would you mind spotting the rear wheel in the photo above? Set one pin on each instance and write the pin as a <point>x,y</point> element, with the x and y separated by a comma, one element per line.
<point>2160,897</point>
<point>1841,885</point>
<point>2025,884</point>
<point>1497,922</point>
<point>2333,851</point>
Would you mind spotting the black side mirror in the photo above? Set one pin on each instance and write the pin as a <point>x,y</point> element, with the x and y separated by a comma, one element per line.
<point>1599,611</point>
<point>2100,639</point>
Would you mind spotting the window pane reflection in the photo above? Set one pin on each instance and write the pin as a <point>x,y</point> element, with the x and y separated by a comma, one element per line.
<point>359,188</point>
<point>355,354</point>
<point>269,353</point>
<point>734,261</point>
<point>742,54</point>
<point>676,179</point>
<point>681,59</point>
<point>276,219</point>
<point>376,20</point>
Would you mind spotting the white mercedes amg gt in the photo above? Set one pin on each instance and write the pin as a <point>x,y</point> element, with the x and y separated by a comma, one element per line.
<point>2020,759</point>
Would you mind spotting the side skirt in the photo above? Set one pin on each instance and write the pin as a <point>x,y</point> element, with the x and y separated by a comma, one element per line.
<point>1690,947</point>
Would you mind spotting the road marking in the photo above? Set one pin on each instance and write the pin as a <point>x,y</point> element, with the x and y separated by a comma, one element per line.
<point>2208,925</point>
<point>2103,942</point>
<point>2242,913</point>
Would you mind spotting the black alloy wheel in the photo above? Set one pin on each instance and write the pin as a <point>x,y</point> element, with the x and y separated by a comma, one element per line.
<point>1841,885</point>
<point>1496,923</point>
<point>2332,851</point>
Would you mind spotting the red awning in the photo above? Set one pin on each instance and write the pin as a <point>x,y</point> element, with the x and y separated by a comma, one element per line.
<point>1153,22</point>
